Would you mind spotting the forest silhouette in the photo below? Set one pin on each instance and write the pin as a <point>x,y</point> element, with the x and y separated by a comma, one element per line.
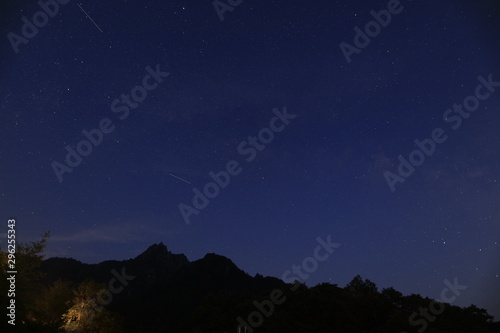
<point>159,291</point>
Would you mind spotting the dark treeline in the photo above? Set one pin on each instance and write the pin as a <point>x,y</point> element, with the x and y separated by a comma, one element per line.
<point>163,292</point>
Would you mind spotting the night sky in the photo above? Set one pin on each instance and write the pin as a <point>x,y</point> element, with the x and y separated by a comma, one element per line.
<point>310,132</point>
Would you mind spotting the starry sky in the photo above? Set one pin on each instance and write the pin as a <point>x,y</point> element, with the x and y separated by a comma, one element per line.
<point>170,91</point>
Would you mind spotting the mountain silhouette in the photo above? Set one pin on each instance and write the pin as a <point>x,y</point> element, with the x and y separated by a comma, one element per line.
<point>159,291</point>
<point>165,282</point>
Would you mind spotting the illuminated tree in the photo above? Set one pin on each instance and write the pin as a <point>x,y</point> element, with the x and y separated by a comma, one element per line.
<point>86,314</point>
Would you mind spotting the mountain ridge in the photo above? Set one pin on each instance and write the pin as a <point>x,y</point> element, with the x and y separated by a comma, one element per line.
<point>159,290</point>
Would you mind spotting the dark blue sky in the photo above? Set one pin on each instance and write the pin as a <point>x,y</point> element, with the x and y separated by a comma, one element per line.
<point>323,174</point>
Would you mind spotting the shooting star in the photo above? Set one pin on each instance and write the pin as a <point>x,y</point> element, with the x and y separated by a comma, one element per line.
<point>180,178</point>
<point>90,18</point>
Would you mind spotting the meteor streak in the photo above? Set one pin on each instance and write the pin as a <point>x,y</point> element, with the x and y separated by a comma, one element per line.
<point>180,178</point>
<point>90,18</point>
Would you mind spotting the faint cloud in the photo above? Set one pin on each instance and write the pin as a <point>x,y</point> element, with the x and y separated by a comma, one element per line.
<point>109,233</point>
